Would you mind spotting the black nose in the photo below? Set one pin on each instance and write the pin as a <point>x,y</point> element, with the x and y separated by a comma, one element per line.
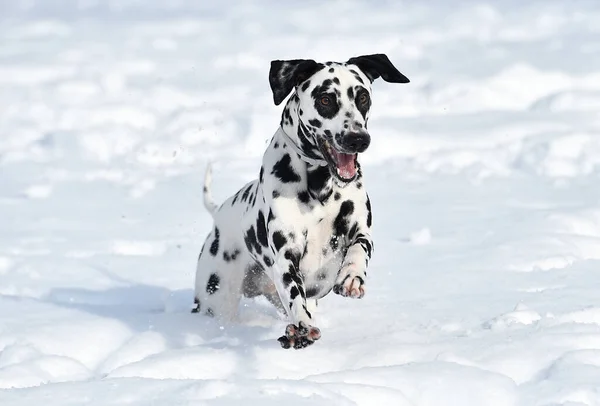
<point>356,142</point>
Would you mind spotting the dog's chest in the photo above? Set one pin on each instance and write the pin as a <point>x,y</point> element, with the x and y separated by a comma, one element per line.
<point>324,249</point>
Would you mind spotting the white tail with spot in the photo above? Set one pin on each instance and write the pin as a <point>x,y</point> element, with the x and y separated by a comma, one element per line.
<point>209,203</point>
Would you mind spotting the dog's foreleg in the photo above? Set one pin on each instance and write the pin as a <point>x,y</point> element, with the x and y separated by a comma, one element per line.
<point>350,280</point>
<point>290,286</point>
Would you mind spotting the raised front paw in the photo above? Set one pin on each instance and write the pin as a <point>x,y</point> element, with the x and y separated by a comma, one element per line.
<point>352,286</point>
<point>299,336</point>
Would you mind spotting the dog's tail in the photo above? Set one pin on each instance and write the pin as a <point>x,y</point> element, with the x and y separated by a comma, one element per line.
<point>209,203</point>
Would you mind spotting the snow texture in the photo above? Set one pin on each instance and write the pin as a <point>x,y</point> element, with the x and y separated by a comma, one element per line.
<point>483,175</point>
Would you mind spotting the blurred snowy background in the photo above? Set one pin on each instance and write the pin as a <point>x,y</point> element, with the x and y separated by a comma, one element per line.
<point>483,172</point>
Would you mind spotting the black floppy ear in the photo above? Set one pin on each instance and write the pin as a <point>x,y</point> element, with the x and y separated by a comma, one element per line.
<point>377,65</point>
<point>284,75</point>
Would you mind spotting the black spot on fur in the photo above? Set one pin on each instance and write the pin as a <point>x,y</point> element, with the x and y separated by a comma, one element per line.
<point>369,215</point>
<point>358,185</point>
<point>294,274</point>
<point>214,247</point>
<point>338,138</point>
<point>275,194</point>
<point>336,81</point>
<point>248,243</point>
<point>315,123</point>
<point>306,146</point>
<point>331,70</point>
<point>286,117</point>
<point>271,216</point>
<point>261,229</point>
<point>293,257</point>
<point>340,224</point>
<point>364,243</point>
<point>246,193</point>
<point>251,241</point>
<point>357,76</point>
<point>213,283</point>
<point>301,290</point>
<point>235,197</point>
<point>283,170</point>
<point>209,312</point>
<point>305,85</point>
<point>337,196</point>
<point>267,260</point>
<point>350,93</point>
<point>304,197</point>
<point>287,279</point>
<point>353,230</point>
<point>276,145</point>
<point>196,308</point>
<point>294,292</point>
<point>261,175</point>
<point>334,243</point>
<point>279,240</point>
<point>321,276</point>
<point>317,179</point>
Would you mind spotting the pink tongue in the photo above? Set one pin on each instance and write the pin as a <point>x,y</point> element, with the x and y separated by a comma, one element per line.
<point>345,165</point>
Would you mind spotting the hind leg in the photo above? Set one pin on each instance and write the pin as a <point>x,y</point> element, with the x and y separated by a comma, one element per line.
<point>256,283</point>
<point>219,277</point>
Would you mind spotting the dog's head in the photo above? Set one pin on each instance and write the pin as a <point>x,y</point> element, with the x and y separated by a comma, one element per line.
<point>331,105</point>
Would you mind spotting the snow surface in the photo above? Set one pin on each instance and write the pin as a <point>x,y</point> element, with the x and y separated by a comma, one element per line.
<point>483,175</point>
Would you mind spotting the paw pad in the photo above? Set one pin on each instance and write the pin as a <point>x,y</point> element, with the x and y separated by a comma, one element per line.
<point>350,287</point>
<point>299,336</point>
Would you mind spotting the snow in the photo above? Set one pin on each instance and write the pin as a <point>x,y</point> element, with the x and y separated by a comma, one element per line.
<point>483,175</point>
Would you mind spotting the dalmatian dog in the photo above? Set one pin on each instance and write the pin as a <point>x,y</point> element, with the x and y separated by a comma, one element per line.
<point>303,228</point>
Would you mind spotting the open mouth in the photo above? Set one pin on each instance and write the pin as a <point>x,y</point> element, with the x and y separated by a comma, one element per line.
<point>340,164</point>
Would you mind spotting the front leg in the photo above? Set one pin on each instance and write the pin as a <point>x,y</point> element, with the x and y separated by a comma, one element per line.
<point>290,286</point>
<point>350,280</point>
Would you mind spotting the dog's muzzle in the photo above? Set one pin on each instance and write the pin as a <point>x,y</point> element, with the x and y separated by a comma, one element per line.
<point>342,161</point>
<point>355,142</point>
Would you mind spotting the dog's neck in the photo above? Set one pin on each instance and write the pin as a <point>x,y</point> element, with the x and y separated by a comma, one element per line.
<point>299,134</point>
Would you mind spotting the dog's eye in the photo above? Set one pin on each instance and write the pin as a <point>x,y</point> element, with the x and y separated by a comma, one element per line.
<point>325,100</point>
<point>363,99</point>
